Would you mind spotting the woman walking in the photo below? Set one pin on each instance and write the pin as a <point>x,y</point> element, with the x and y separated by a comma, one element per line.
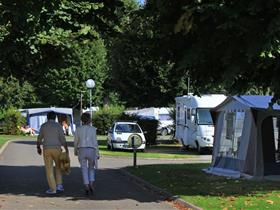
<point>86,147</point>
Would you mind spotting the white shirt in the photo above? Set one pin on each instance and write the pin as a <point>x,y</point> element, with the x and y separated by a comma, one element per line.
<point>85,136</point>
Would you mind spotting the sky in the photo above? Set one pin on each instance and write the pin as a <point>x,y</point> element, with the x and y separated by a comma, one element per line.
<point>141,1</point>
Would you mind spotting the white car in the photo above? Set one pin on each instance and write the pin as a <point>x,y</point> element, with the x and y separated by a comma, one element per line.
<point>119,134</point>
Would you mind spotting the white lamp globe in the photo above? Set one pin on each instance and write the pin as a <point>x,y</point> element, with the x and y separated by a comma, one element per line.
<point>90,83</point>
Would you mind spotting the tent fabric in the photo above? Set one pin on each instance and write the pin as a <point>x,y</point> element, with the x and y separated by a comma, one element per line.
<point>67,111</point>
<point>250,101</point>
<point>223,172</point>
<point>245,138</point>
<point>37,116</point>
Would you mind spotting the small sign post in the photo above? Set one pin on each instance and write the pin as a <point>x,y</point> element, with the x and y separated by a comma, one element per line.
<point>134,141</point>
<point>134,153</point>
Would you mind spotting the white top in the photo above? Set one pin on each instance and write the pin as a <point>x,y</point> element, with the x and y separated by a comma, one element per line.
<point>85,136</point>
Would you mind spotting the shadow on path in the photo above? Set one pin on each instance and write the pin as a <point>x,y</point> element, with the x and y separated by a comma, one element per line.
<point>110,184</point>
<point>30,142</point>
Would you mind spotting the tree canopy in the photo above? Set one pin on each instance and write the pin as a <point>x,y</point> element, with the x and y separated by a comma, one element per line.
<point>229,44</point>
<point>141,55</point>
<point>57,45</point>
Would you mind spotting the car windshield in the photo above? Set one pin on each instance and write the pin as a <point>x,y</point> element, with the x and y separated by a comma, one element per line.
<point>204,117</point>
<point>164,117</point>
<point>128,128</point>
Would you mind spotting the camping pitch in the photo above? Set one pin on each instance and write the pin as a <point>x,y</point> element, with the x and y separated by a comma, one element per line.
<point>37,116</point>
<point>246,142</point>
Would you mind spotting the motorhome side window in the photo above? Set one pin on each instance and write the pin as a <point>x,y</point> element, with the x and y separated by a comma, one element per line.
<point>204,117</point>
<point>178,114</point>
<point>193,114</point>
<point>189,114</point>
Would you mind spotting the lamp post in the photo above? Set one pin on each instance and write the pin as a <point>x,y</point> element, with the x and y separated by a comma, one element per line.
<point>81,105</point>
<point>90,85</point>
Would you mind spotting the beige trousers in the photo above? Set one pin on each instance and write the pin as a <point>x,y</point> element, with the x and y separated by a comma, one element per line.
<point>52,156</point>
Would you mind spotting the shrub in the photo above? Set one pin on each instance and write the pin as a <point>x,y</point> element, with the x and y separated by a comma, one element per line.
<point>12,121</point>
<point>104,117</point>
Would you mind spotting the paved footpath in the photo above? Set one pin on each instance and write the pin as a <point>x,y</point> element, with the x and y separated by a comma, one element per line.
<point>23,183</point>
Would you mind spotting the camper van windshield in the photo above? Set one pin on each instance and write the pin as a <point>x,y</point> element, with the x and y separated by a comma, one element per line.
<point>204,117</point>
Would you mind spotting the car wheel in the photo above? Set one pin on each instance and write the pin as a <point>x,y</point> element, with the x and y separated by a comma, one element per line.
<point>199,148</point>
<point>164,132</point>
<point>184,147</point>
<point>112,147</point>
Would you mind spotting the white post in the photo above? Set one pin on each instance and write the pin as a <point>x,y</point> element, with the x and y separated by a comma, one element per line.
<point>90,104</point>
<point>90,85</point>
<point>81,106</point>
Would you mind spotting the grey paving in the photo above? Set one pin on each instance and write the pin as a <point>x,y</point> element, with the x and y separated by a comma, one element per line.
<point>22,183</point>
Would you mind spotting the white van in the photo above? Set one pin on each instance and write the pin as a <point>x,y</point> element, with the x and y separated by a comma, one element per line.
<point>194,126</point>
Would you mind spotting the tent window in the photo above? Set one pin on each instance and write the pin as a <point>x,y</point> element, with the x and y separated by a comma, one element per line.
<point>229,125</point>
<point>231,134</point>
<point>276,129</point>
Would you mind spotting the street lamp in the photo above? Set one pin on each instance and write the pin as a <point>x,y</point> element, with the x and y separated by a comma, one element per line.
<point>90,85</point>
<point>81,105</point>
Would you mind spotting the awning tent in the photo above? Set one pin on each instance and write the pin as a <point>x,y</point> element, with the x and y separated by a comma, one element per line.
<point>37,116</point>
<point>246,140</point>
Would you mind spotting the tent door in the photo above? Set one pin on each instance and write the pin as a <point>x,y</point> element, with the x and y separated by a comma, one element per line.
<point>270,136</point>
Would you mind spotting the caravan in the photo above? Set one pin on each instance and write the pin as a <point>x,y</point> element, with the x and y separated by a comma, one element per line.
<point>194,125</point>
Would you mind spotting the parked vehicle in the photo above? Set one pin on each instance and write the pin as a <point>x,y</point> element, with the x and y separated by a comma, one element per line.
<point>194,125</point>
<point>165,122</point>
<point>119,134</point>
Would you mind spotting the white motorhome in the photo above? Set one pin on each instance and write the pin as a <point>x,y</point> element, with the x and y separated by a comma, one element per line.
<point>194,125</point>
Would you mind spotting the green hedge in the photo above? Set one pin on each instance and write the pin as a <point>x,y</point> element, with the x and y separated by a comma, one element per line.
<point>104,118</point>
<point>12,121</point>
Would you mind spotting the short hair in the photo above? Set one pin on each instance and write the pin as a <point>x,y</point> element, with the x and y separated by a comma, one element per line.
<point>85,118</point>
<point>51,115</point>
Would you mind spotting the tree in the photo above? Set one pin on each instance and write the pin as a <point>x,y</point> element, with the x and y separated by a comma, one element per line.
<point>139,73</point>
<point>67,83</point>
<point>15,93</point>
<point>46,42</point>
<point>229,44</point>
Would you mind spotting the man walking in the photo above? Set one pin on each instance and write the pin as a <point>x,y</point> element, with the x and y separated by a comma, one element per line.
<point>51,136</point>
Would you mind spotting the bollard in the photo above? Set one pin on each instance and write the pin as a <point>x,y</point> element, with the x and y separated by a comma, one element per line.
<point>134,152</point>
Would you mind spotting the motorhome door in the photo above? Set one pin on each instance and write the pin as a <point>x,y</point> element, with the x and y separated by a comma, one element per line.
<point>190,128</point>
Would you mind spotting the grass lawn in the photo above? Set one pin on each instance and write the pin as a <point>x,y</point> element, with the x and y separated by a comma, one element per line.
<point>4,138</point>
<point>209,191</point>
<point>158,151</point>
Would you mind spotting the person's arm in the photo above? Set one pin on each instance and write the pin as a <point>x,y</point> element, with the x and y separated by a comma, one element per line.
<point>76,141</point>
<point>62,139</point>
<point>96,144</point>
<point>39,141</point>
<point>66,148</point>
